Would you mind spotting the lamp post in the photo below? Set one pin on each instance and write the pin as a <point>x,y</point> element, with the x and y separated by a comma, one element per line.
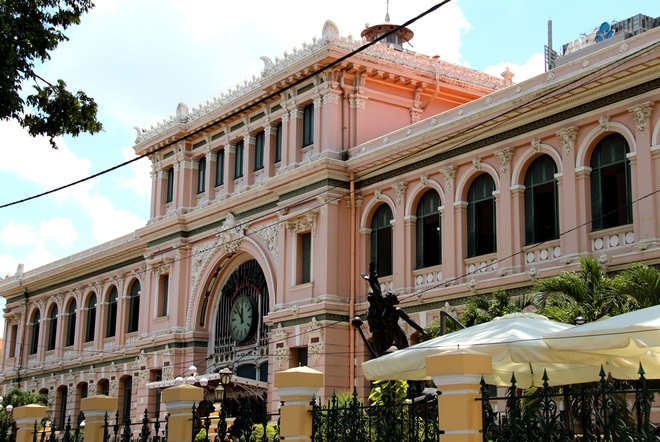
<point>221,395</point>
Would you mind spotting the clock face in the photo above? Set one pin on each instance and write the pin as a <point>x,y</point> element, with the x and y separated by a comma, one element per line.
<point>242,318</point>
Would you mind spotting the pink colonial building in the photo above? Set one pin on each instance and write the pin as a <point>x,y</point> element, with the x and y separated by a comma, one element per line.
<point>268,202</point>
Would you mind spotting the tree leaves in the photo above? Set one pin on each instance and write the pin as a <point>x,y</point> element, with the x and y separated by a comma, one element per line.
<point>29,31</point>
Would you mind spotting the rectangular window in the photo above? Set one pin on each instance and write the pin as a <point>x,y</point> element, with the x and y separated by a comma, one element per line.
<point>259,142</point>
<point>170,185</point>
<point>126,399</point>
<point>308,125</point>
<point>238,160</point>
<point>201,175</point>
<point>157,376</point>
<point>220,168</point>
<point>164,292</point>
<point>300,356</point>
<point>13,333</point>
<point>305,261</point>
<point>278,142</point>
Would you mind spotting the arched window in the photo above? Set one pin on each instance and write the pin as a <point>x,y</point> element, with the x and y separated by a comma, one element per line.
<point>34,341</point>
<point>91,318</point>
<point>481,216</point>
<point>61,403</point>
<point>381,240</point>
<point>428,237</point>
<point>134,307</point>
<point>71,323</point>
<point>112,314</point>
<point>103,387</point>
<point>610,183</point>
<point>52,328</point>
<point>541,201</point>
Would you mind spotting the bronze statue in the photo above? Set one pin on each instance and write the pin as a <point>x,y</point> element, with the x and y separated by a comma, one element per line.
<point>383,319</point>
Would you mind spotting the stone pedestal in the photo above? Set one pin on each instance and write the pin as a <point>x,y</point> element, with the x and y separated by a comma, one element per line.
<point>457,376</point>
<point>296,387</point>
<point>25,418</point>
<point>95,409</point>
<point>179,401</point>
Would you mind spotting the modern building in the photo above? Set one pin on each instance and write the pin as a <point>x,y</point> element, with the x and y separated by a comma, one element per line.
<point>268,202</point>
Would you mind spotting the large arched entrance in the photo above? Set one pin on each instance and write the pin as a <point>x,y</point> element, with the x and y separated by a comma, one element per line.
<point>239,337</point>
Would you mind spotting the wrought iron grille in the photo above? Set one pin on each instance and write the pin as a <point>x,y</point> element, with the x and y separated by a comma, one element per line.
<point>149,430</point>
<point>411,421</point>
<point>246,426</point>
<point>47,431</point>
<point>608,411</point>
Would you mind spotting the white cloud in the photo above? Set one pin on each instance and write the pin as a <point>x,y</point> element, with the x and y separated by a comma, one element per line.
<point>19,234</point>
<point>140,179</point>
<point>58,230</point>
<point>534,66</point>
<point>108,222</point>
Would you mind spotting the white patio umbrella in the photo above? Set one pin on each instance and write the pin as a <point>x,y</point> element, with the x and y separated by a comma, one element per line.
<point>621,342</point>
<point>514,341</point>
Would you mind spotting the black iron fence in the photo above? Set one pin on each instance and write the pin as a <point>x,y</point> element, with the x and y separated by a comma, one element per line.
<point>608,411</point>
<point>47,430</point>
<point>150,430</point>
<point>413,420</point>
<point>246,426</point>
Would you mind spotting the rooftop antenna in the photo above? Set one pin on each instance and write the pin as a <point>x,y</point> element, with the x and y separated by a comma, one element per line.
<point>387,11</point>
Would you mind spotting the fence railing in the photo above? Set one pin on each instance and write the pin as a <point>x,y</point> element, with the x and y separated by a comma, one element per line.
<point>246,426</point>
<point>47,431</point>
<point>151,430</point>
<point>413,420</point>
<point>609,411</point>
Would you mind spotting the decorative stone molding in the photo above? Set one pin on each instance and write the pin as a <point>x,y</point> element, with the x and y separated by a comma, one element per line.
<point>567,135</point>
<point>641,113</point>
<point>533,274</point>
<point>269,235</point>
<point>378,195</point>
<point>473,285</point>
<point>504,156</point>
<point>331,96</point>
<point>604,123</point>
<point>400,190</point>
<point>316,344</point>
<point>536,145</point>
<point>476,163</point>
<point>358,102</point>
<point>415,115</point>
<point>424,180</point>
<point>449,173</point>
<point>231,234</point>
<point>200,257</point>
<point>305,223</point>
<point>279,339</point>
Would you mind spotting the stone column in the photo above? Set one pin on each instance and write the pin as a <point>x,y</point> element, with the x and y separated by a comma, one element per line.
<point>296,387</point>
<point>25,418</point>
<point>457,375</point>
<point>179,401</point>
<point>95,409</point>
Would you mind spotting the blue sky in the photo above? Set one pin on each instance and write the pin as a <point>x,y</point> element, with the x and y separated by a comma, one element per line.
<point>139,59</point>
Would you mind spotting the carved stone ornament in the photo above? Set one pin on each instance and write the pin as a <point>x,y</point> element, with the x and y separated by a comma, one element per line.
<point>504,156</point>
<point>604,123</point>
<point>476,163</point>
<point>473,284</point>
<point>400,189</point>
<point>449,173</point>
<point>536,145</point>
<point>279,339</point>
<point>641,113</point>
<point>231,234</point>
<point>305,223</point>
<point>533,274</point>
<point>567,135</point>
<point>425,180</point>
<point>269,235</point>
<point>378,195</point>
<point>182,113</point>
<point>316,344</point>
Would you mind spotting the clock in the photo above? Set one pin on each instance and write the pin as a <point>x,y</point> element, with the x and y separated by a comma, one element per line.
<point>242,318</point>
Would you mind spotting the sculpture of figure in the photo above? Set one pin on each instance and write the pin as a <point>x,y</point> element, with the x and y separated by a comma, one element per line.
<point>383,319</point>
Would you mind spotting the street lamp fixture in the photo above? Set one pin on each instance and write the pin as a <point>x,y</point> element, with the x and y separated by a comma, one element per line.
<point>580,320</point>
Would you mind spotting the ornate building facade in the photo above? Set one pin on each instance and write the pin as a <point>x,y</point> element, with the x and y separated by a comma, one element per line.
<point>268,202</point>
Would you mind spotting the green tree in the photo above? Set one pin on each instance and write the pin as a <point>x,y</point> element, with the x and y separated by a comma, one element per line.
<point>18,398</point>
<point>29,32</point>
<point>481,309</point>
<point>589,293</point>
<point>641,283</point>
